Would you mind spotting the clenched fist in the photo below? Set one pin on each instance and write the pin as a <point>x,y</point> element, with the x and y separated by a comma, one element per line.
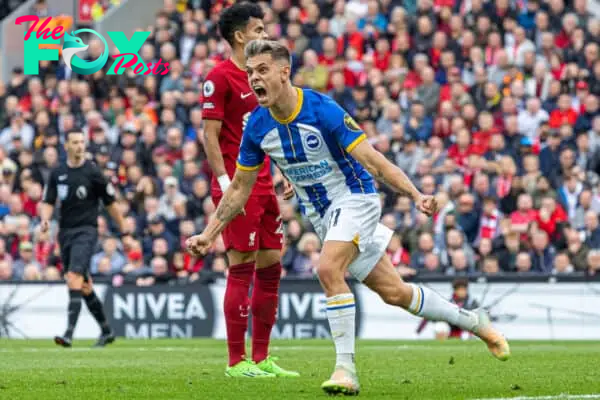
<point>198,245</point>
<point>427,204</point>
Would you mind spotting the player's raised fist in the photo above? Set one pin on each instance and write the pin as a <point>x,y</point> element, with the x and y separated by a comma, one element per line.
<point>198,245</point>
<point>427,205</point>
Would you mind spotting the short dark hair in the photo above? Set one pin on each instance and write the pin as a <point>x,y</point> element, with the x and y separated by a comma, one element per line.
<point>460,282</point>
<point>236,18</point>
<point>73,132</point>
<point>275,49</point>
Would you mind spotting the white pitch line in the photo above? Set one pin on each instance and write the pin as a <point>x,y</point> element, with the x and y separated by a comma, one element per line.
<point>188,348</point>
<point>416,347</point>
<point>557,397</point>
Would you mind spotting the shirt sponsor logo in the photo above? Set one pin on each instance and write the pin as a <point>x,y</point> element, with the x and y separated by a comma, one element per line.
<point>208,106</point>
<point>309,172</point>
<point>62,191</point>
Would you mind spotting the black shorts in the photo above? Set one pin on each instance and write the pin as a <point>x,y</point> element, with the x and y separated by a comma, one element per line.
<point>77,248</point>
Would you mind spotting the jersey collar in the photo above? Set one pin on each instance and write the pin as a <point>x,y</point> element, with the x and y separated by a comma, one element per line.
<point>294,113</point>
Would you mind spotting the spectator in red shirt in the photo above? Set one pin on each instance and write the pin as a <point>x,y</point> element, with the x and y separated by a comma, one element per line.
<point>32,199</point>
<point>398,254</point>
<point>489,226</point>
<point>460,151</point>
<point>173,148</point>
<point>438,45</point>
<point>330,51</point>
<point>352,38</point>
<point>481,138</point>
<point>564,114</point>
<point>523,216</point>
<point>382,54</point>
<point>442,126</point>
<point>446,90</point>
<point>549,215</point>
<point>569,24</point>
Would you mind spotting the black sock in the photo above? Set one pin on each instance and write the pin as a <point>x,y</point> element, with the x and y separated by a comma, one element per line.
<point>73,311</point>
<point>95,306</point>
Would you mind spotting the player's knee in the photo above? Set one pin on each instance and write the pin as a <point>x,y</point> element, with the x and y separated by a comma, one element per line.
<point>397,296</point>
<point>330,274</point>
<point>87,288</point>
<point>75,281</point>
<point>238,257</point>
<point>267,258</point>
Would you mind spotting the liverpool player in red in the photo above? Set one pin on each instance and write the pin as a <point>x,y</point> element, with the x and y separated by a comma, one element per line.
<point>253,240</point>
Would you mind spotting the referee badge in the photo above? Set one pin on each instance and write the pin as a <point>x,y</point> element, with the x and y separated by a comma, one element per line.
<point>62,191</point>
<point>81,192</point>
<point>351,124</point>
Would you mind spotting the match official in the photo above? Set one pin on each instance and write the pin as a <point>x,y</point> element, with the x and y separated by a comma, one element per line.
<point>81,188</point>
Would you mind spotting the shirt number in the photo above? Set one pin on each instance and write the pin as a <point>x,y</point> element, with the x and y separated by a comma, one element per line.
<point>335,216</point>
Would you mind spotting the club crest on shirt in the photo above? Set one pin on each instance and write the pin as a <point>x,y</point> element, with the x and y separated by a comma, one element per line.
<point>351,123</point>
<point>208,88</point>
<point>62,191</point>
<point>313,143</point>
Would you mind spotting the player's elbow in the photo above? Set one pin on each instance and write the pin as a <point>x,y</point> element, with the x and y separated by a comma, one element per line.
<point>374,165</point>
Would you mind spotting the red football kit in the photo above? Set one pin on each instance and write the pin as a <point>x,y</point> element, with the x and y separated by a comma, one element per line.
<point>227,97</point>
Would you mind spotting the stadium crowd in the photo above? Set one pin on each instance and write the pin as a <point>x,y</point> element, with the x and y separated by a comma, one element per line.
<point>493,105</point>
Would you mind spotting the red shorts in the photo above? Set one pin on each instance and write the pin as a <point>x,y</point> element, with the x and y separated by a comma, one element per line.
<point>259,229</point>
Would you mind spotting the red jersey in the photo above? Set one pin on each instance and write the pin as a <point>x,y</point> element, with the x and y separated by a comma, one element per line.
<point>558,118</point>
<point>227,97</point>
<point>460,156</point>
<point>481,140</point>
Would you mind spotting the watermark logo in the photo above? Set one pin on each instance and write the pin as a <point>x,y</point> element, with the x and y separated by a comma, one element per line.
<point>38,37</point>
<point>73,45</point>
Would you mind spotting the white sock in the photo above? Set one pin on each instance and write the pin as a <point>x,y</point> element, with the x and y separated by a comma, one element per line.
<point>428,304</point>
<point>341,313</point>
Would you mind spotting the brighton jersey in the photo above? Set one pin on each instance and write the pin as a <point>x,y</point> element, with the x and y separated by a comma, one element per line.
<point>312,149</point>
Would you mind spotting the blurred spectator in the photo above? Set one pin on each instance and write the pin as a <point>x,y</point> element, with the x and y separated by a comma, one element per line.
<point>308,248</point>
<point>6,271</point>
<point>109,252</point>
<point>25,261</point>
<point>562,264</point>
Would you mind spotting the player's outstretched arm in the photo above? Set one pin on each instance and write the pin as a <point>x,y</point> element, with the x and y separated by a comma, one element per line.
<point>383,170</point>
<point>231,205</point>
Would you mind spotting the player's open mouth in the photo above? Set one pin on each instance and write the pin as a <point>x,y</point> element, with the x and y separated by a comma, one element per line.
<point>260,92</point>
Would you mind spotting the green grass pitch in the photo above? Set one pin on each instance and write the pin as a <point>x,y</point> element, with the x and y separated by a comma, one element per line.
<point>194,369</point>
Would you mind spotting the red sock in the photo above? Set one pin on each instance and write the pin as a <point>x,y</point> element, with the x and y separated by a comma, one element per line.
<point>236,307</point>
<point>264,309</point>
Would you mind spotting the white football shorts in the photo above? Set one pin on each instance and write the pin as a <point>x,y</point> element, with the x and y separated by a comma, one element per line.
<point>355,218</point>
